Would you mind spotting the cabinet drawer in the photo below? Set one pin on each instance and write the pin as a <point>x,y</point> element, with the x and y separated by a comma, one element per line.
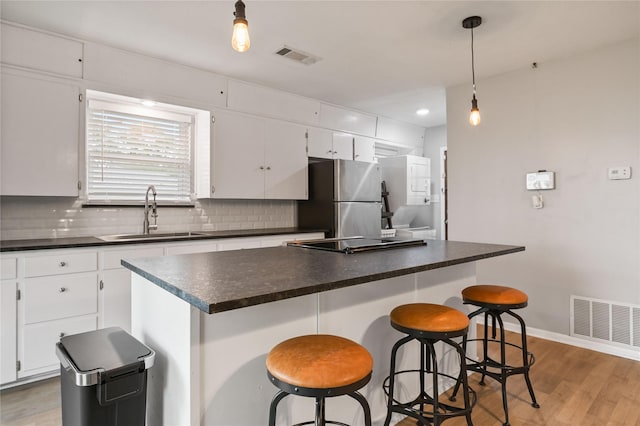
<point>67,263</point>
<point>111,259</point>
<point>8,268</point>
<point>48,298</point>
<point>38,341</point>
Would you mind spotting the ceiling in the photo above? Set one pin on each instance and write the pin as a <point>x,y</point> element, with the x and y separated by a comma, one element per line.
<point>385,57</point>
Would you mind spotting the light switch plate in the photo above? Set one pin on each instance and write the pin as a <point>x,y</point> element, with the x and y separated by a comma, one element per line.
<point>615,173</point>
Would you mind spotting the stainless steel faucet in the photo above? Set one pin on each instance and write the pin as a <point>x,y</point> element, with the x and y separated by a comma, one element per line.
<point>154,211</point>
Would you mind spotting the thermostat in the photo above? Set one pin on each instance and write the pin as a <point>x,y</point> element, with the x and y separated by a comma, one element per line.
<point>541,179</point>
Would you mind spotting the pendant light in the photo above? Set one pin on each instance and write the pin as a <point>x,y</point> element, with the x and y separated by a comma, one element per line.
<point>471,23</point>
<point>240,40</point>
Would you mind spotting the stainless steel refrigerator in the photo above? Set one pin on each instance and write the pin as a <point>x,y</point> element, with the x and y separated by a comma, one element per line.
<point>344,199</point>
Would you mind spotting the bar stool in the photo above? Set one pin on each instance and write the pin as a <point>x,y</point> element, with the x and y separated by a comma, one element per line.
<point>428,324</point>
<point>493,301</point>
<point>319,366</point>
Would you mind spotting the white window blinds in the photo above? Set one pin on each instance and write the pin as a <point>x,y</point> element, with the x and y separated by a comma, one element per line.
<point>130,148</point>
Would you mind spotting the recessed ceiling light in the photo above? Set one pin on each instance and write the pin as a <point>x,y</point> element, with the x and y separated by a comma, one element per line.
<point>148,103</point>
<point>422,111</point>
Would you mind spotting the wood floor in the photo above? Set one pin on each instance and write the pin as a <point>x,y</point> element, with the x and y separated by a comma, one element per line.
<point>573,387</point>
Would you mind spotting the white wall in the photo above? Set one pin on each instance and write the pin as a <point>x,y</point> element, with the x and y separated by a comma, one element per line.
<point>434,139</point>
<point>576,116</point>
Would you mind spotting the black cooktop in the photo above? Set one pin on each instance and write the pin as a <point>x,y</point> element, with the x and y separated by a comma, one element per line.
<point>356,244</point>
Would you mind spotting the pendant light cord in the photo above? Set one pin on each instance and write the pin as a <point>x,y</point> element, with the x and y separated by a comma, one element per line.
<point>473,67</point>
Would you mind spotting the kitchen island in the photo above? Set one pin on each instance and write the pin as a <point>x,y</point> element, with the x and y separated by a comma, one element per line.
<point>213,317</point>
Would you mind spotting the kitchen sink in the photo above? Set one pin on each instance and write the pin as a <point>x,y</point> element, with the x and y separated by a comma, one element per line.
<point>147,237</point>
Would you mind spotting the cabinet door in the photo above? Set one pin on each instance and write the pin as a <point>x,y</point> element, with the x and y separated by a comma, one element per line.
<point>343,146</point>
<point>364,149</point>
<point>320,143</point>
<point>237,156</point>
<point>286,161</point>
<point>115,299</point>
<point>36,114</point>
<point>8,324</point>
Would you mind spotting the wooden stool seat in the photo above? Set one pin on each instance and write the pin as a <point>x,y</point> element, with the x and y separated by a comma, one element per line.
<point>427,317</point>
<point>319,361</point>
<point>496,295</point>
<point>319,366</point>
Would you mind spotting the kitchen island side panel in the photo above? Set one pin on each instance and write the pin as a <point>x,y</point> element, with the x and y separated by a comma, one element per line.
<point>171,327</point>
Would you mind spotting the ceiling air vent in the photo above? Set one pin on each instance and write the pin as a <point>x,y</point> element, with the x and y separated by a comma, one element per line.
<point>297,55</point>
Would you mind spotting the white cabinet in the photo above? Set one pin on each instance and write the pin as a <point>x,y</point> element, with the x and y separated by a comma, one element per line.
<point>115,284</point>
<point>40,121</point>
<point>58,296</point>
<point>8,318</point>
<point>344,120</point>
<point>273,103</point>
<point>364,149</point>
<point>399,132</point>
<point>46,294</point>
<point>257,158</point>
<point>40,51</point>
<point>144,76</point>
<point>327,144</point>
<point>408,179</point>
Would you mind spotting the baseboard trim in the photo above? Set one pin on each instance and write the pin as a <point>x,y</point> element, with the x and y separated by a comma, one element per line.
<point>574,341</point>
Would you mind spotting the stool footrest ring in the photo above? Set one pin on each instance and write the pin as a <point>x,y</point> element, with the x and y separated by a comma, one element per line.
<point>445,410</point>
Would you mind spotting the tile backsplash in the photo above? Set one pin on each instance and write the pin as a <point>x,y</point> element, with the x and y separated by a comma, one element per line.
<point>53,217</point>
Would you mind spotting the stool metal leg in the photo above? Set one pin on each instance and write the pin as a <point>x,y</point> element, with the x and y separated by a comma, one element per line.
<point>320,412</point>
<point>365,407</point>
<point>525,358</point>
<point>392,370</point>
<point>503,371</point>
<point>274,404</point>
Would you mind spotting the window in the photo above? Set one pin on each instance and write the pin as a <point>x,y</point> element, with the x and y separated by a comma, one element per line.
<point>131,144</point>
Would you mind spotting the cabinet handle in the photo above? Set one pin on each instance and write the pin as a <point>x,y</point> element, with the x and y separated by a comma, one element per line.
<point>335,152</point>
<point>62,290</point>
<point>261,167</point>
<point>268,167</point>
<point>101,284</point>
<point>331,152</point>
<point>63,264</point>
<point>61,335</point>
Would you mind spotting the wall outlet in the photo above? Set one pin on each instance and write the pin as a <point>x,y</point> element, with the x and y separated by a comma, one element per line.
<point>615,173</point>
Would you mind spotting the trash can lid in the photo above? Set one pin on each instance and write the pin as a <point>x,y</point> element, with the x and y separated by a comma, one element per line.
<point>106,349</point>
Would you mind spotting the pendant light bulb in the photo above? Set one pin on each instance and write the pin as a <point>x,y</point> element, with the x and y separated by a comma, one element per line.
<point>474,117</point>
<point>240,40</point>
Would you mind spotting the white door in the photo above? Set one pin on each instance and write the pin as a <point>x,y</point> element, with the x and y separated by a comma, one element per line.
<point>364,149</point>
<point>320,143</point>
<point>343,146</point>
<point>40,120</point>
<point>238,156</point>
<point>115,301</point>
<point>286,162</point>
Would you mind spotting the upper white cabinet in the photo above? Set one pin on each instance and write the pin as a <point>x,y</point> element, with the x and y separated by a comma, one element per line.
<point>40,126</point>
<point>364,149</point>
<point>40,51</point>
<point>396,131</point>
<point>327,144</point>
<point>256,158</point>
<point>344,120</point>
<point>269,102</point>
<point>145,76</point>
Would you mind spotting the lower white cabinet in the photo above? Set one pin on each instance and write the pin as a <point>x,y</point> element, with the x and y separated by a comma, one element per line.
<point>46,294</point>
<point>114,296</point>
<point>36,342</point>
<point>8,328</point>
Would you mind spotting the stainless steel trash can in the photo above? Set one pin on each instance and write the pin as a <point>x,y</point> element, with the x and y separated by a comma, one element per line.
<point>103,378</point>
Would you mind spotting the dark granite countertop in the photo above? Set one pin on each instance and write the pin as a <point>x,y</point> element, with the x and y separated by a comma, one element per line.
<point>222,281</point>
<point>73,242</point>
